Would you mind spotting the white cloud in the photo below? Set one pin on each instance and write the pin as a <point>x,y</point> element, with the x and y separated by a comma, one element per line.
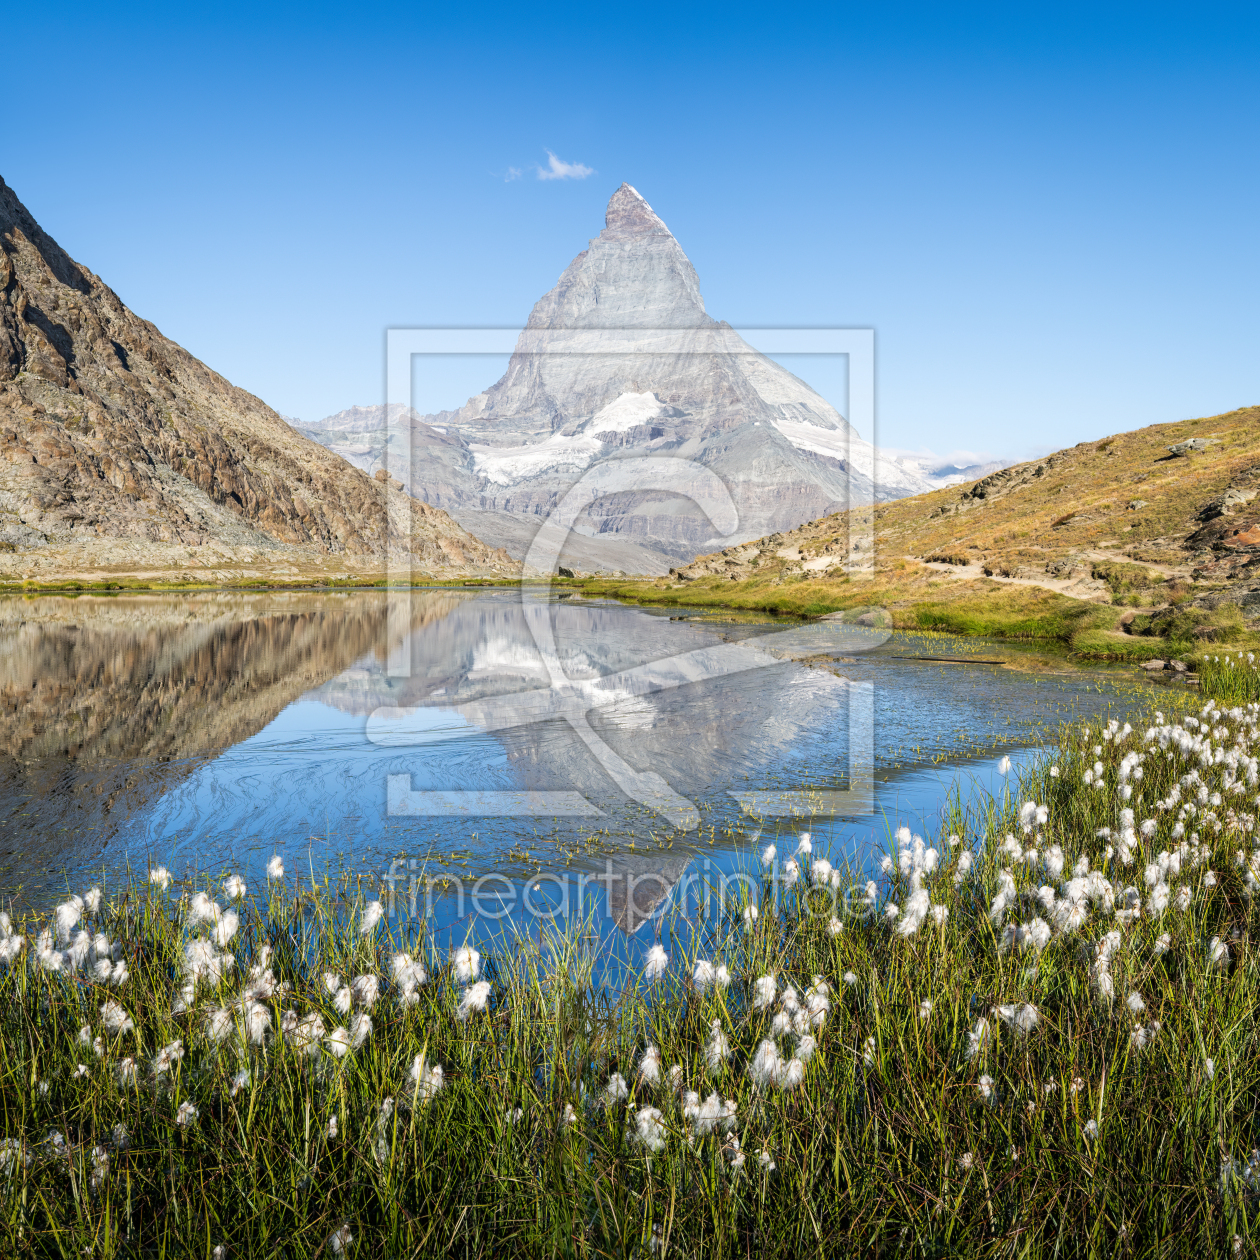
<point>558,169</point>
<point>513,172</point>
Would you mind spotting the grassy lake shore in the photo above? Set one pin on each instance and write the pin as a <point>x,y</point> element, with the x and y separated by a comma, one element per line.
<point>1032,1034</point>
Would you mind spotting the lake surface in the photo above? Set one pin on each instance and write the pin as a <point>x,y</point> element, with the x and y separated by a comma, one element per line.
<point>458,733</point>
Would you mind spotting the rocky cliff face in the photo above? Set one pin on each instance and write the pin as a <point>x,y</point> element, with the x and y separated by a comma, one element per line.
<point>621,358</point>
<point>120,452</point>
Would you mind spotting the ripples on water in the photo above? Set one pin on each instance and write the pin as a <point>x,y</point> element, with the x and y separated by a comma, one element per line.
<point>205,732</point>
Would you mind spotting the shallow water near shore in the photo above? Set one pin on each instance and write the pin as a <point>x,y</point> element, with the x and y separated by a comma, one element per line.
<point>427,736</point>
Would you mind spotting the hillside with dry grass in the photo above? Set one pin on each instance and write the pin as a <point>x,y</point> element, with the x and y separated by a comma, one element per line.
<point>1120,547</point>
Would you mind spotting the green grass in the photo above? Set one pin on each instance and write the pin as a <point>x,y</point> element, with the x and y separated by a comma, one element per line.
<point>895,1141</point>
<point>1229,679</point>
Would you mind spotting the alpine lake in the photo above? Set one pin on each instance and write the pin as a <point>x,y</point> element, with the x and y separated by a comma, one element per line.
<point>492,759</point>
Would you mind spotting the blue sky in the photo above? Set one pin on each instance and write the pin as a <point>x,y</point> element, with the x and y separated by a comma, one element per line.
<point>1048,213</point>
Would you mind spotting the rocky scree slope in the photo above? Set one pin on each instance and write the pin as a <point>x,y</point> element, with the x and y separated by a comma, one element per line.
<point>1165,517</point>
<point>121,453</point>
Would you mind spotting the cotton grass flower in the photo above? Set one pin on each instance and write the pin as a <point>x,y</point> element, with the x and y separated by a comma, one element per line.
<point>649,1125</point>
<point>234,888</point>
<point>168,1057</point>
<point>703,975</point>
<point>474,1001</point>
<point>717,1049</point>
<point>373,913</point>
<point>1004,765</point>
<point>186,1115</point>
<point>925,1008</point>
<point>616,1089</point>
<point>650,1065</point>
<point>365,989</point>
<point>1134,1002</point>
<point>218,1024</point>
<point>340,1239</point>
<point>766,1065</point>
<point>466,963</point>
<point>115,1018</point>
<point>984,1087</point>
<point>1090,1131</point>
<point>425,1080</point>
<point>275,867</point>
<point>257,1022</point>
<point>763,992</point>
<point>1022,1017</point>
<point>160,876</point>
<point>338,1042</point>
<point>656,963</point>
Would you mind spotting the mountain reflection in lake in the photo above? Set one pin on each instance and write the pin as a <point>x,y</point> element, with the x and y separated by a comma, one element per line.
<point>208,731</point>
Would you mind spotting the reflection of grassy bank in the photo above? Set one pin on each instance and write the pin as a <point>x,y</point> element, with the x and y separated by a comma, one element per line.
<point>1048,1049</point>
<point>918,599</point>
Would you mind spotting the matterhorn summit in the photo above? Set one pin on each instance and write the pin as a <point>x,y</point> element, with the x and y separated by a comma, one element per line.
<point>622,359</point>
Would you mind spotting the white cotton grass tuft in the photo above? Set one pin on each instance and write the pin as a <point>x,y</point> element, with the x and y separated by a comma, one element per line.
<point>466,963</point>
<point>1090,1131</point>
<point>340,1239</point>
<point>474,1001</point>
<point>360,1029</point>
<point>717,1049</point>
<point>365,989</point>
<point>1004,765</point>
<point>650,1065</point>
<point>115,1018</point>
<point>984,1087</point>
<point>616,1089</point>
<point>425,1080</point>
<point>160,876</point>
<point>1021,1016</point>
<point>656,963</point>
<point>186,1115</point>
<point>275,867</point>
<point>763,992</point>
<point>234,888</point>
<point>167,1057</point>
<point>925,1008</point>
<point>649,1126</point>
<point>373,913</point>
<point>768,854</point>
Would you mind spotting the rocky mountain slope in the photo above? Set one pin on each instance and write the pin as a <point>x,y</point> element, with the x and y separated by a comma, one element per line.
<point>121,454</point>
<point>1166,517</point>
<point>621,358</point>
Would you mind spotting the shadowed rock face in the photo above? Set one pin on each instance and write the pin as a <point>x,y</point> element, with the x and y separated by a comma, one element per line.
<point>110,433</point>
<point>622,358</point>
